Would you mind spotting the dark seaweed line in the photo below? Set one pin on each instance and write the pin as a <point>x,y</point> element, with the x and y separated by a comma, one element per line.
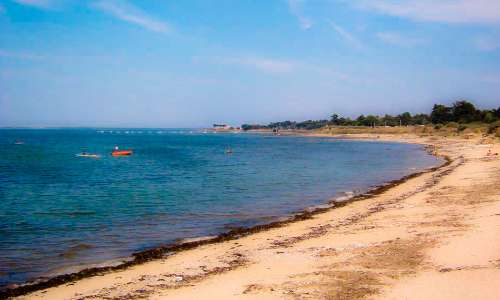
<point>161,251</point>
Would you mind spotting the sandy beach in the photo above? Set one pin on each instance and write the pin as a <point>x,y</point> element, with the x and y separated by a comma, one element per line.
<point>433,236</point>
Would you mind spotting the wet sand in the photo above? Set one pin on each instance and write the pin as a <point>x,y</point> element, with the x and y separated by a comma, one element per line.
<point>433,236</point>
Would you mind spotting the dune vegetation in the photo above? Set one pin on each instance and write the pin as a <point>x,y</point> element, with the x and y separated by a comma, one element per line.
<point>461,118</point>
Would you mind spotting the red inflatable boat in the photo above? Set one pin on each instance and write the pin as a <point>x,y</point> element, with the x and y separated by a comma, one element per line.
<point>121,152</point>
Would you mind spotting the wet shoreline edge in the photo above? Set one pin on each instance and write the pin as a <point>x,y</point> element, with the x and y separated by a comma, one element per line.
<point>169,249</point>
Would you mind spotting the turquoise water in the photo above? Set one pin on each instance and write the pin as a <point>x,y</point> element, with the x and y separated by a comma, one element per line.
<point>59,211</point>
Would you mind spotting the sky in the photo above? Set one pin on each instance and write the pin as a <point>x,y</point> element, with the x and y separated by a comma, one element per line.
<point>191,63</point>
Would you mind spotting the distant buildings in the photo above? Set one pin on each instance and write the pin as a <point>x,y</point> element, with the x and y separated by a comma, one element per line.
<point>224,127</point>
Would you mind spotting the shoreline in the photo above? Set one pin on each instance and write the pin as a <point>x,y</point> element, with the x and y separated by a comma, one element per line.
<point>157,254</point>
<point>163,251</point>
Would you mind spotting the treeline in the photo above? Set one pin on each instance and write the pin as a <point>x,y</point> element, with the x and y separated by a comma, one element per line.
<point>307,125</point>
<point>461,112</point>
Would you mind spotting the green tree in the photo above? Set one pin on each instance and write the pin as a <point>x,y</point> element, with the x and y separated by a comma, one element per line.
<point>441,114</point>
<point>346,121</point>
<point>389,120</point>
<point>405,118</point>
<point>421,119</point>
<point>464,112</point>
<point>497,113</point>
<point>360,121</point>
<point>334,119</point>
<point>371,120</point>
<point>488,117</point>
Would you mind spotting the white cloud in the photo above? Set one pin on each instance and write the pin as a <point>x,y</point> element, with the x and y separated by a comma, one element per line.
<point>295,7</point>
<point>276,66</point>
<point>347,36</point>
<point>449,11</point>
<point>487,43</point>
<point>42,4</point>
<point>128,13</point>
<point>398,39</point>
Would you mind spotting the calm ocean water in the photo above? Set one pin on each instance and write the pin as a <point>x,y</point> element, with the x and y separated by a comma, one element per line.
<point>59,211</point>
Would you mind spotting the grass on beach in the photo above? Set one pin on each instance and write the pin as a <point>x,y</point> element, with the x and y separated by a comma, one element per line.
<point>448,130</point>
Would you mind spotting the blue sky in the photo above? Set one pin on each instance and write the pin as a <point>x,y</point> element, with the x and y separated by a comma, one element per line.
<point>194,62</point>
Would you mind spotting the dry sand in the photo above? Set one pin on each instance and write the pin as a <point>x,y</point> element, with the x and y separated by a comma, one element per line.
<point>435,236</point>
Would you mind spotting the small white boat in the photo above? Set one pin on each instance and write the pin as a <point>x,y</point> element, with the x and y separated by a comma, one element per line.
<point>85,154</point>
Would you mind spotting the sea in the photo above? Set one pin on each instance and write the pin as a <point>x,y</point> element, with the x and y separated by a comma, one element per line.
<point>60,212</point>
